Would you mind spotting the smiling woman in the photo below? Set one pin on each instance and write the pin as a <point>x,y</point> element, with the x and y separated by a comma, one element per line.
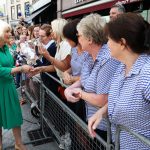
<point>9,103</point>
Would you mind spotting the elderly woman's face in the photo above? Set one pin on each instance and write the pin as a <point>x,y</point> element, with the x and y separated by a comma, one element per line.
<point>7,35</point>
<point>84,42</point>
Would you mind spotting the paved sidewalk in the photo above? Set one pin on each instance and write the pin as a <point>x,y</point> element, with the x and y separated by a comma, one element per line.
<point>29,123</point>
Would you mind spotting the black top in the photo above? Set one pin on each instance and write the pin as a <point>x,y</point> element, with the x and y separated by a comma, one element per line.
<point>48,82</point>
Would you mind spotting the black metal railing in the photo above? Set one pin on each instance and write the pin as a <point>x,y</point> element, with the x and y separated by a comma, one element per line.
<point>69,130</point>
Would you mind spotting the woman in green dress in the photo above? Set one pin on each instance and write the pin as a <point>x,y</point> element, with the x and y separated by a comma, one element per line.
<point>10,111</point>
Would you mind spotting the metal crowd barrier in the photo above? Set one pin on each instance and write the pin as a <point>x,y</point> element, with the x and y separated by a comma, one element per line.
<point>69,130</point>
<point>139,137</point>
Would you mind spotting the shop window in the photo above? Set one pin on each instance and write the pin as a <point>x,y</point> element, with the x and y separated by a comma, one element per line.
<point>19,11</point>
<point>12,12</point>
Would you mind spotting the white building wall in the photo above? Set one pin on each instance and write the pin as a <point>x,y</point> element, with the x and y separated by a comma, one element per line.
<point>9,6</point>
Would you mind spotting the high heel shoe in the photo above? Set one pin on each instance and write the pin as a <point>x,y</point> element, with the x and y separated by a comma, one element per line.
<point>17,147</point>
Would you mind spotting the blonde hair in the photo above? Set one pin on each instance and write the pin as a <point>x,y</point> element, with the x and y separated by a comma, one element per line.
<point>57,27</point>
<point>4,26</point>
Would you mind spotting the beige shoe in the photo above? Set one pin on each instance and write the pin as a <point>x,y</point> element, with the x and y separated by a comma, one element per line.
<point>20,148</point>
<point>17,148</point>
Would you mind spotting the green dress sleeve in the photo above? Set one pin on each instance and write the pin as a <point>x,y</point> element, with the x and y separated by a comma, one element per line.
<point>5,72</point>
<point>6,63</point>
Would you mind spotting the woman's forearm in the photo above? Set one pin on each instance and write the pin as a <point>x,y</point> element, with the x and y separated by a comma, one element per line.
<point>62,65</point>
<point>75,78</point>
<point>49,68</point>
<point>77,84</point>
<point>95,99</point>
<point>16,70</point>
<point>104,110</point>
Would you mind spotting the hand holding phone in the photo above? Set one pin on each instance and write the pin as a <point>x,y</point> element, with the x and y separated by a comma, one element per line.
<point>37,50</point>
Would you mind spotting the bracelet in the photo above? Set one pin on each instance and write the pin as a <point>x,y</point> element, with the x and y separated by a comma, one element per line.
<point>21,69</point>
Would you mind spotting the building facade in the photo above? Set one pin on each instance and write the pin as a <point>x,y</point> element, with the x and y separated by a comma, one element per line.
<point>3,11</point>
<point>17,8</point>
<point>79,8</point>
<point>43,11</point>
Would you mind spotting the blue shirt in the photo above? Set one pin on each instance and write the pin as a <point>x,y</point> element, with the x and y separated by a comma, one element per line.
<point>129,103</point>
<point>77,61</point>
<point>96,77</point>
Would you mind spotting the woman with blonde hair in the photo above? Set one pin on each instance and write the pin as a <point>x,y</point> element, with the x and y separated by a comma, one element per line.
<point>9,102</point>
<point>61,61</point>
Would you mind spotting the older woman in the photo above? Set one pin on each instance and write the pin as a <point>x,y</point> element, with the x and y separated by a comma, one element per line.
<point>129,96</point>
<point>97,70</point>
<point>10,112</point>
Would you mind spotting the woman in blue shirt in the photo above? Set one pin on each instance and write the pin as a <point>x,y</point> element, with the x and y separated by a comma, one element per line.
<point>97,69</point>
<point>78,57</point>
<point>129,95</point>
<point>77,54</point>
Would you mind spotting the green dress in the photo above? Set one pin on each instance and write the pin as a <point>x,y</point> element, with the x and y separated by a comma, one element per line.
<point>10,111</point>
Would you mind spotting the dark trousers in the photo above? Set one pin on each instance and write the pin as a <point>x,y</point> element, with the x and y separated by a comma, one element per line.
<point>18,77</point>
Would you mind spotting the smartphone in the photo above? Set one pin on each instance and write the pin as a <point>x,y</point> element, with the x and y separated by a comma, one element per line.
<point>37,50</point>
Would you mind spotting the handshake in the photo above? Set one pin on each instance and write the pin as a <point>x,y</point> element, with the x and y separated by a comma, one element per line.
<point>31,71</point>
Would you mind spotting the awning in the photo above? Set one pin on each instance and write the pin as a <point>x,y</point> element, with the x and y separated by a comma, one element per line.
<point>39,4</point>
<point>28,19</point>
<point>95,6</point>
<point>98,5</point>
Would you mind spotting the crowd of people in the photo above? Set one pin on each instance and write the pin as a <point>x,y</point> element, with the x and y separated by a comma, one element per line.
<point>105,65</point>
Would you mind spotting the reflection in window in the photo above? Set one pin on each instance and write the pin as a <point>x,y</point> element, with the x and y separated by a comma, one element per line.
<point>18,11</point>
<point>12,12</point>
